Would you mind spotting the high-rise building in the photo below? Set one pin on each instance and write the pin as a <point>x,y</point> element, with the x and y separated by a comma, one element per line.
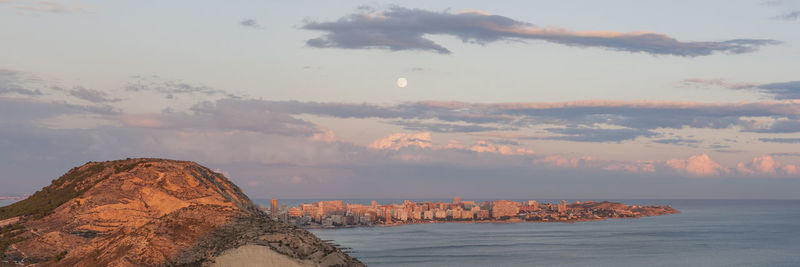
<point>427,215</point>
<point>274,209</point>
<point>562,208</point>
<point>374,203</point>
<point>456,200</point>
<point>482,214</point>
<point>504,208</point>
<point>295,212</point>
<point>534,205</point>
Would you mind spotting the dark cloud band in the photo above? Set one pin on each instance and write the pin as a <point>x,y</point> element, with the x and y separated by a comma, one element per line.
<point>399,28</point>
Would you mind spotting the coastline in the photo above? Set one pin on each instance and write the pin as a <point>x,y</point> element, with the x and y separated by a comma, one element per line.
<point>662,211</point>
<point>475,222</point>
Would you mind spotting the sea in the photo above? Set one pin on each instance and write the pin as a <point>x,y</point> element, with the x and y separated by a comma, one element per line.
<point>705,233</point>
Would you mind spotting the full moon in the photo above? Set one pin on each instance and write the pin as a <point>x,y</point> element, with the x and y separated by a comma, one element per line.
<point>402,82</point>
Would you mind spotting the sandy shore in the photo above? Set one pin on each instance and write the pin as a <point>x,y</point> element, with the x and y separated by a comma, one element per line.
<point>256,256</point>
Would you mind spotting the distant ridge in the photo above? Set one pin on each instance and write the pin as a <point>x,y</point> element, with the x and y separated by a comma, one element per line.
<point>152,212</point>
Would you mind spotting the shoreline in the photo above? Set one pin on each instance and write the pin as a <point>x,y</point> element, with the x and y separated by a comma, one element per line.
<point>337,214</point>
<point>482,222</point>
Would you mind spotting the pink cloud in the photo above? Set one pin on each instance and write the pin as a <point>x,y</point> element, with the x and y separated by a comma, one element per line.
<point>398,141</point>
<point>766,165</point>
<point>565,162</point>
<point>453,144</point>
<point>791,169</point>
<point>327,136</point>
<point>698,165</point>
<point>483,146</point>
<point>142,120</point>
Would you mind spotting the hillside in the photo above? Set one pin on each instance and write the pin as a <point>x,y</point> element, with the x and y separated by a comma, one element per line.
<point>151,212</point>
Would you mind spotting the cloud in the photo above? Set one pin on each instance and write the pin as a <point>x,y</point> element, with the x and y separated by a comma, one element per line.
<point>92,95</point>
<point>227,115</point>
<point>40,6</point>
<point>588,162</point>
<point>771,3</point>
<point>780,140</point>
<point>28,112</point>
<point>485,146</point>
<point>326,135</point>
<point>171,88</point>
<point>730,151</point>
<point>787,154</point>
<point>399,141</point>
<point>444,127</point>
<point>682,142</point>
<point>794,15</point>
<point>695,166</point>
<point>267,143</point>
<point>143,120</point>
<point>259,152</point>
<point>629,114</point>
<point>583,134</point>
<point>790,11</point>
<point>582,121</point>
<point>717,82</point>
<point>780,90</point>
<point>564,162</point>
<point>784,90</point>
<point>699,165</point>
<point>250,23</point>
<point>781,126</point>
<point>423,140</point>
<point>398,28</point>
<point>14,82</point>
<point>646,115</point>
<point>766,165</point>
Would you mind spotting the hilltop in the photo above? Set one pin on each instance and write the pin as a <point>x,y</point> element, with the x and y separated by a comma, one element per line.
<point>152,212</point>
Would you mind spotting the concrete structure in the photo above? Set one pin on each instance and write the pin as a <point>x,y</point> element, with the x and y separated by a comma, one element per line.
<point>274,209</point>
<point>440,214</point>
<point>504,208</point>
<point>427,215</point>
<point>482,215</point>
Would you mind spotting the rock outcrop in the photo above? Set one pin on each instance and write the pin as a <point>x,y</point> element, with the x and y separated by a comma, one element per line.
<point>152,212</point>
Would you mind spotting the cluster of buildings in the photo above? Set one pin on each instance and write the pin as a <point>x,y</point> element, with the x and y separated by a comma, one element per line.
<point>336,213</point>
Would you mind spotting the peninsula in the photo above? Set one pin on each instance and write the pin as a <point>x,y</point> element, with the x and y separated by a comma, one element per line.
<point>336,213</point>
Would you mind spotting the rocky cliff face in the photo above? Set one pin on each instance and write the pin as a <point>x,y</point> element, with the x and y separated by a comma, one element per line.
<point>150,212</point>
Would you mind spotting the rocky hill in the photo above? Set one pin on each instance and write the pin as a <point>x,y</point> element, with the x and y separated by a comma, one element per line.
<point>152,212</point>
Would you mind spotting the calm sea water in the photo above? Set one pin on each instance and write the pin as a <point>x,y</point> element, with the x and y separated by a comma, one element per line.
<point>706,233</point>
<point>6,202</point>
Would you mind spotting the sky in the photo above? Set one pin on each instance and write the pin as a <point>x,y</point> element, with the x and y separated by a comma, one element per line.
<point>518,99</point>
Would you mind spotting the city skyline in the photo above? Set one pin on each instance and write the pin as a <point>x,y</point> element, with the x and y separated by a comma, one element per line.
<point>337,213</point>
<point>419,99</point>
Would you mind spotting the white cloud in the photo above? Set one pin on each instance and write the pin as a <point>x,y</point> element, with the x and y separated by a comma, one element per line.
<point>398,141</point>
